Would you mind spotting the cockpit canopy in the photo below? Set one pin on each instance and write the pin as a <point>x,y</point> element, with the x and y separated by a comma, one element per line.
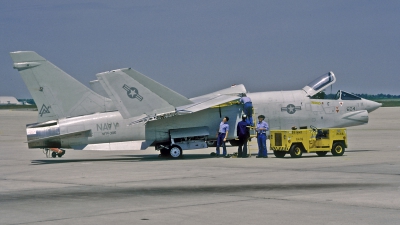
<point>340,95</point>
<point>320,84</point>
<point>315,89</point>
<point>346,96</point>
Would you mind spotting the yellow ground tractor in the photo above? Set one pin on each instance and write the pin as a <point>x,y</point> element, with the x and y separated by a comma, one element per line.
<point>320,141</point>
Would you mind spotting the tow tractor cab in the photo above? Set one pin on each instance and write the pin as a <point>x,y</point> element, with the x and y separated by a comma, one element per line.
<point>320,141</point>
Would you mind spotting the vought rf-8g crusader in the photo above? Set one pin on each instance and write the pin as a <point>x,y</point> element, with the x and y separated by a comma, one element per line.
<point>320,141</point>
<point>127,110</point>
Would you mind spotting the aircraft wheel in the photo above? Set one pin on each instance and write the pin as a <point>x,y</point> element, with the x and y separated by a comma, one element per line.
<point>338,149</point>
<point>175,151</point>
<point>211,143</point>
<point>61,154</point>
<point>279,154</point>
<point>295,151</point>
<point>53,154</point>
<point>321,153</point>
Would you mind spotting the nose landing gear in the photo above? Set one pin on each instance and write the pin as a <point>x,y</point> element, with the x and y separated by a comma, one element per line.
<point>53,152</point>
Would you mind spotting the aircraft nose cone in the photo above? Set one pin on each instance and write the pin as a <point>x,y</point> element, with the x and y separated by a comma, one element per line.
<point>371,106</point>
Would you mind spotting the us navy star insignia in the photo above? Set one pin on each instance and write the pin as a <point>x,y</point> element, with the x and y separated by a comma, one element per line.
<point>291,109</point>
<point>132,92</point>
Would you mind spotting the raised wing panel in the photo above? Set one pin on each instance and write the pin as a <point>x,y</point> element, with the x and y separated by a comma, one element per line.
<point>222,100</point>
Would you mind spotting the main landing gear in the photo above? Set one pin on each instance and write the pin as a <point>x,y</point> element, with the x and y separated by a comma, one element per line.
<point>173,151</point>
<point>179,141</point>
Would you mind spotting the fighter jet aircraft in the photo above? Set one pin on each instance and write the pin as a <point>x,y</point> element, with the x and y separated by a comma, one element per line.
<point>130,111</point>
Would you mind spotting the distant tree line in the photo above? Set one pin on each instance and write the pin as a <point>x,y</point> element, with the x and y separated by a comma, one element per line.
<point>323,95</point>
<point>378,96</point>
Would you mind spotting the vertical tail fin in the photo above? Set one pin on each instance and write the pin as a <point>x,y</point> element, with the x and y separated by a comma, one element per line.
<point>134,94</point>
<point>56,93</point>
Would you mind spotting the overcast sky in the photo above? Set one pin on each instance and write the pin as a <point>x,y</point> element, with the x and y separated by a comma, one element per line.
<point>196,47</point>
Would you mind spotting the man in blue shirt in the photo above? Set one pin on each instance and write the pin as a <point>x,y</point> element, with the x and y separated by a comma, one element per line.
<point>247,108</point>
<point>262,129</point>
<point>222,135</point>
<point>243,134</point>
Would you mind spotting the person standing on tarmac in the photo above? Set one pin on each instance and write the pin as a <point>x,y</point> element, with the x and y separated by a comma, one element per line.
<point>262,128</point>
<point>243,133</point>
<point>247,108</point>
<point>222,135</point>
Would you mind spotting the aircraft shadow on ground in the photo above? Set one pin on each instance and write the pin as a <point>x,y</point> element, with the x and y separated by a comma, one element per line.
<point>362,150</point>
<point>305,156</point>
<point>149,158</point>
<point>119,158</point>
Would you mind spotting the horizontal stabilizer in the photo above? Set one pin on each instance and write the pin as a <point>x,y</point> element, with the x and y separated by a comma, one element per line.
<point>58,137</point>
<point>135,94</point>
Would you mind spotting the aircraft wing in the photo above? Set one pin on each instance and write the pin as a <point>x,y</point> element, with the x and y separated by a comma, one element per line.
<point>135,94</point>
<point>233,90</point>
<point>218,101</point>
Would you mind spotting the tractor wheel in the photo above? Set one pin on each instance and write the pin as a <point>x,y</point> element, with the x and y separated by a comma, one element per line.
<point>296,151</point>
<point>338,149</point>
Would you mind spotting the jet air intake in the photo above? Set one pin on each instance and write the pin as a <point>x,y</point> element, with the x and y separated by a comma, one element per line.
<point>354,118</point>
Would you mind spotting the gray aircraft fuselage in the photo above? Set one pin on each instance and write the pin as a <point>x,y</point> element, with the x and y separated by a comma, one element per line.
<point>282,109</point>
<point>134,111</point>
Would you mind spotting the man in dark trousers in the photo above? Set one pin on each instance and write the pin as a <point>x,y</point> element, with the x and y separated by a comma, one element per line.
<point>262,129</point>
<point>243,133</point>
<point>222,135</point>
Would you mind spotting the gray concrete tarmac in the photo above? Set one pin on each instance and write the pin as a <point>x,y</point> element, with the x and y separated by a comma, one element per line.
<point>137,187</point>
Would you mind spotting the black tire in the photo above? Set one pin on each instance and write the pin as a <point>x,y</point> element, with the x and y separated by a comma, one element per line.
<point>321,153</point>
<point>338,149</point>
<point>211,143</point>
<point>175,151</point>
<point>296,151</point>
<point>54,154</point>
<point>279,154</point>
<point>61,154</point>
